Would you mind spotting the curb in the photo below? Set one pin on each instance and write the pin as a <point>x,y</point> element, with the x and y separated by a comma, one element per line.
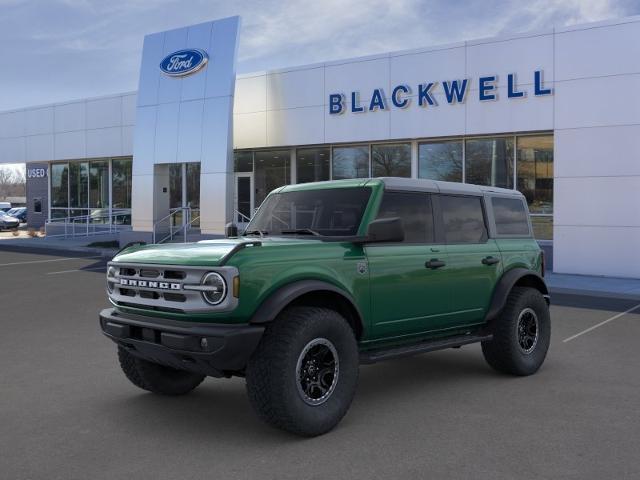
<point>594,293</point>
<point>103,252</point>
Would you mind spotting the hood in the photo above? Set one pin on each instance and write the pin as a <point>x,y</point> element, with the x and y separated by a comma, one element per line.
<point>203,253</point>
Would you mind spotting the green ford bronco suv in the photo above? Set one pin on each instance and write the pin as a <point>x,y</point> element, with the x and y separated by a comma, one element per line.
<point>328,276</point>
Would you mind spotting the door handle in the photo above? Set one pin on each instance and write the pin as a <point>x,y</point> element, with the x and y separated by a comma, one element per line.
<point>434,263</point>
<point>490,260</point>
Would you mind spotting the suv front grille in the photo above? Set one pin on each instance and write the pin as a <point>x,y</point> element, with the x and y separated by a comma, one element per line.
<point>161,288</point>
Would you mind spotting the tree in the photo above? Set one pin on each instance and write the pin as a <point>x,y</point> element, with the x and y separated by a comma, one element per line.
<point>12,182</point>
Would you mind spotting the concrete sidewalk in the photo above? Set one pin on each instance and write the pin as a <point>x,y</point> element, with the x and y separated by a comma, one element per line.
<point>608,287</point>
<point>60,245</point>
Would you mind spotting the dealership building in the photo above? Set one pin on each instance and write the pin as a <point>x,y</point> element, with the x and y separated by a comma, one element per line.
<point>554,114</point>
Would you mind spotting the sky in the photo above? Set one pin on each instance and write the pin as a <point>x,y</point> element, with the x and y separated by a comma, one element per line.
<point>58,50</point>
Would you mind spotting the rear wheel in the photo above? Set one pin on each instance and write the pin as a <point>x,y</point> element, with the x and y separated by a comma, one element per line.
<point>303,375</point>
<point>157,378</point>
<point>521,334</point>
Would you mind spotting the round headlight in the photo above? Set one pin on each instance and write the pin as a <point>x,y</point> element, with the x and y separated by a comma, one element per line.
<point>111,274</point>
<point>216,288</point>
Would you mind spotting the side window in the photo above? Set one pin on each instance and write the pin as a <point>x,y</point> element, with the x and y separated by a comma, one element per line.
<point>414,209</point>
<point>463,219</point>
<point>510,216</point>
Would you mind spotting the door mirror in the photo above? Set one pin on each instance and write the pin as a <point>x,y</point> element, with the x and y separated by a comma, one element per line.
<point>385,230</point>
<point>231,230</point>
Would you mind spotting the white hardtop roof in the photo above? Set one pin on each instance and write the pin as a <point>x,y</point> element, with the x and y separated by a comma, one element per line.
<point>424,185</point>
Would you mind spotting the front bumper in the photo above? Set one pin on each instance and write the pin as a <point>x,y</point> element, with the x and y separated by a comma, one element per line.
<point>216,350</point>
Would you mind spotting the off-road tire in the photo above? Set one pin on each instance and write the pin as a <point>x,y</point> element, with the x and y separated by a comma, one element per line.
<point>273,371</point>
<point>157,378</point>
<point>504,352</point>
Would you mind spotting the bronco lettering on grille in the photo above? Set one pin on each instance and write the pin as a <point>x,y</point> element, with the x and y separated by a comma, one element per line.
<point>149,284</point>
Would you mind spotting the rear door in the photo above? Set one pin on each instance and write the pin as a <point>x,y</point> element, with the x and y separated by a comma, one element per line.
<point>407,295</point>
<point>475,263</point>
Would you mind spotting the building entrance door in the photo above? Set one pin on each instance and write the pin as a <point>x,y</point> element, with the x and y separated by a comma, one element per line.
<point>243,203</point>
<point>184,192</point>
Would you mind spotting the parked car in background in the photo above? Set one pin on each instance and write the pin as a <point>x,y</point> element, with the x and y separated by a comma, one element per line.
<point>5,206</point>
<point>19,212</point>
<point>8,222</point>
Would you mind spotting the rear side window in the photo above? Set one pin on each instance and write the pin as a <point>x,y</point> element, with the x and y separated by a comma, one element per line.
<point>414,209</point>
<point>510,216</point>
<point>463,219</point>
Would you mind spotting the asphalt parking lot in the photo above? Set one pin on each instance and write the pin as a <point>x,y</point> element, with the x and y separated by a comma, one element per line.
<point>67,412</point>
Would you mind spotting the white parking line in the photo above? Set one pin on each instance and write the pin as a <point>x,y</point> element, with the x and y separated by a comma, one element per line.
<point>600,324</point>
<point>77,270</point>
<point>46,261</point>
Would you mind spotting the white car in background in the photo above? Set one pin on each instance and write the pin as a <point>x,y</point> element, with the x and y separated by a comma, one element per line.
<point>8,222</point>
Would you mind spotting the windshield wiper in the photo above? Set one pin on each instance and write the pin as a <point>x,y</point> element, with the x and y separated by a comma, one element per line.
<point>305,231</point>
<point>262,233</point>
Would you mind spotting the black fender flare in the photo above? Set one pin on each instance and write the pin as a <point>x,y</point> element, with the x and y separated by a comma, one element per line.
<point>507,282</point>
<point>278,300</point>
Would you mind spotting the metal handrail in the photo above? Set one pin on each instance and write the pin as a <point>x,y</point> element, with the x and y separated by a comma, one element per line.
<point>90,222</point>
<point>186,224</point>
<point>238,213</point>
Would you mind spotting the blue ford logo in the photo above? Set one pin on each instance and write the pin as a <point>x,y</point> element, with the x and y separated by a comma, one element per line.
<point>184,62</point>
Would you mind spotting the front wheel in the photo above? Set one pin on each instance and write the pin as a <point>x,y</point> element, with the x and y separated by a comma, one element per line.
<point>157,378</point>
<point>521,334</point>
<point>303,375</point>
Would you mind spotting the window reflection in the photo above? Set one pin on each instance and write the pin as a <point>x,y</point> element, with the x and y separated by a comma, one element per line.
<point>312,165</point>
<point>60,185</point>
<point>535,172</point>
<point>350,162</point>
<point>78,184</point>
<point>391,160</point>
<point>121,183</point>
<point>440,161</point>
<point>489,161</point>
<point>271,170</point>
<point>99,184</point>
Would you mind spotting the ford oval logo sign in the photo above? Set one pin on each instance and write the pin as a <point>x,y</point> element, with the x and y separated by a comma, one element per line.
<point>184,62</point>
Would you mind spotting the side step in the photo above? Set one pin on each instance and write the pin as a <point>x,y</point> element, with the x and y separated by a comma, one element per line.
<point>377,355</point>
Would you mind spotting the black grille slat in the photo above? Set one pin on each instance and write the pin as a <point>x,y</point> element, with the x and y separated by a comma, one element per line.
<point>174,275</point>
<point>174,297</point>
<point>148,273</point>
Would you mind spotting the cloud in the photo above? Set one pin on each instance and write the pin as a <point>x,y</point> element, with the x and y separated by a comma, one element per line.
<point>80,48</point>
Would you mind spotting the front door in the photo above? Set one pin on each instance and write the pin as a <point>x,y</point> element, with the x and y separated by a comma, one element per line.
<point>243,199</point>
<point>409,291</point>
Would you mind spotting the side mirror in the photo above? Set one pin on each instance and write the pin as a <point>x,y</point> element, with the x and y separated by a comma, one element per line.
<point>231,230</point>
<point>385,230</point>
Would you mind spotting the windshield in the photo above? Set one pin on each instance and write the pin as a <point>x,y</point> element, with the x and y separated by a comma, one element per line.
<point>328,212</point>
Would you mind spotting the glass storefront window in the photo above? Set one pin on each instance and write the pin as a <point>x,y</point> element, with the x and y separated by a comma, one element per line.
<point>60,185</point>
<point>271,170</point>
<point>193,192</point>
<point>82,188</point>
<point>535,172</point>
<point>175,185</point>
<point>440,160</point>
<point>350,162</point>
<point>312,164</point>
<point>489,161</point>
<point>243,161</point>
<point>78,184</point>
<point>542,227</point>
<point>391,160</point>
<point>193,185</point>
<point>121,183</point>
<point>99,184</point>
